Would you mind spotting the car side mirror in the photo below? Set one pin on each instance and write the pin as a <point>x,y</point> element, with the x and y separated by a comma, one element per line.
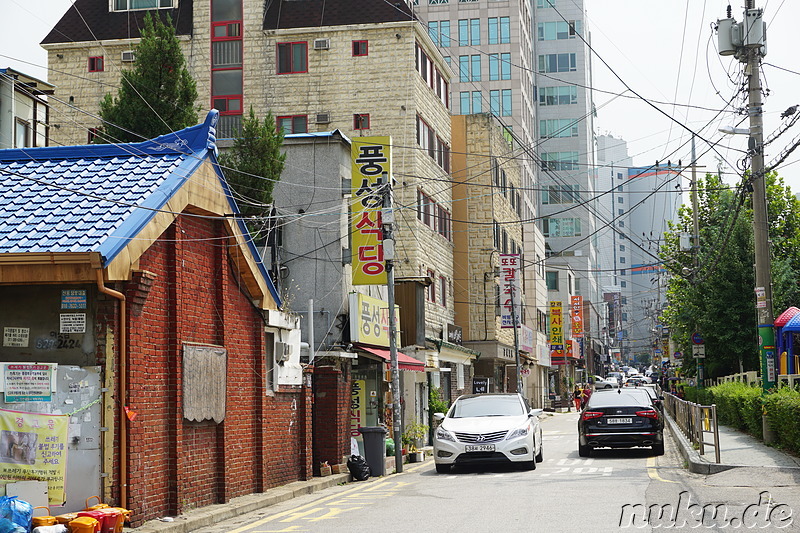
<point>438,416</point>
<point>661,398</point>
<point>535,412</point>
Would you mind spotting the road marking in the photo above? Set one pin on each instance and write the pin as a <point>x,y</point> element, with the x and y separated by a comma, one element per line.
<point>381,484</point>
<point>653,472</point>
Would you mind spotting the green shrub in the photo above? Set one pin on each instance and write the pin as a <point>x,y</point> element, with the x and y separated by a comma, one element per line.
<point>783,412</point>
<point>696,395</point>
<point>738,405</point>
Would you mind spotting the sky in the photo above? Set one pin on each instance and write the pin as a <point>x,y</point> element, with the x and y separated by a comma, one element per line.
<point>665,52</point>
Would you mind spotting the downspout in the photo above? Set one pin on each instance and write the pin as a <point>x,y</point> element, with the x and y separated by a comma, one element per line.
<point>123,388</point>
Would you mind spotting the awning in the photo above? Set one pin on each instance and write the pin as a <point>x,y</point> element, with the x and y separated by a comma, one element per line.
<point>404,362</point>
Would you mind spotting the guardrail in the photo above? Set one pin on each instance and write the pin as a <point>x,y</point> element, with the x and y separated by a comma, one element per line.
<point>696,422</point>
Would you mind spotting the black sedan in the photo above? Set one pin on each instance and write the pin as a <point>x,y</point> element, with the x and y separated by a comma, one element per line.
<point>620,419</point>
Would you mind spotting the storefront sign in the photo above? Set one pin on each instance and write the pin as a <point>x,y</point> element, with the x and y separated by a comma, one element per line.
<point>576,314</point>
<point>16,337</point>
<point>556,333</point>
<point>73,299</point>
<point>511,291</point>
<point>480,385</point>
<point>72,323</point>
<point>27,382</point>
<point>33,447</point>
<point>358,407</point>
<point>454,334</point>
<point>370,176</point>
<point>526,339</point>
<point>369,320</point>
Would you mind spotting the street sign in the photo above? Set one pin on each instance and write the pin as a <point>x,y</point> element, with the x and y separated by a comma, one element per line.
<point>696,338</point>
<point>699,351</point>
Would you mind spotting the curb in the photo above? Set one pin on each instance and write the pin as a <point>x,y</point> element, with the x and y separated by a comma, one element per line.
<point>210,515</point>
<point>696,463</point>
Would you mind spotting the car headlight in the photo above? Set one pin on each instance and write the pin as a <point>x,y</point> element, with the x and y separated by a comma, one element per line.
<point>443,434</point>
<point>519,432</point>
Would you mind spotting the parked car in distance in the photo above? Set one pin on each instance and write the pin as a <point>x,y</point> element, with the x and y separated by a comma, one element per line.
<point>486,429</point>
<point>600,383</point>
<point>615,376</point>
<point>621,418</point>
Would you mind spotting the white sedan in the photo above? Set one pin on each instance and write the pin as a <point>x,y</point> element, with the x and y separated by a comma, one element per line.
<point>486,429</point>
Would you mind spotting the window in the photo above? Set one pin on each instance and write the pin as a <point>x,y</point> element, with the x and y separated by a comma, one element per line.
<point>552,31</point>
<point>439,32</point>
<point>227,85</point>
<point>130,5</point>
<point>92,134</point>
<point>620,200</point>
<point>545,3</point>
<point>436,147</point>
<point>624,316</point>
<point>621,247</point>
<point>560,161</point>
<point>494,67</point>
<point>551,278</point>
<point>431,293</point>
<point>361,121</point>
<point>622,259</point>
<point>475,69</point>
<point>431,75</point>
<point>505,66</point>
<point>558,127</point>
<point>506,102</point>
<point>463,68</point>
<point>494,31</point>
<point>469,32</point>
<point>360,48</point>
<point>561,194</point>
<point>561,227</point>
<point>96,64</point>
<point>22,133</point>
<point>464,103</point>
<point>557,63</point>
<point>292,124</point>
<point>443,290</point>
<point>470,102</point>
<point>505,30</point>
<point>620,212</point>
<point>623,284</point>
<point>292,58</point>
<point>621,224</point>
<point>494,102</point>
<point>433,215</point>
<point>477,102</point>
<point>563,95</point>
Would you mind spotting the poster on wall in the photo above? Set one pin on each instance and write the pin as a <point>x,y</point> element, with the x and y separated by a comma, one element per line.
<point>511,289</point>
<point>72,323</point>
<point>33,447</point>
<point>16,337</point>
<point>358,407</point>
<point>28,382</point>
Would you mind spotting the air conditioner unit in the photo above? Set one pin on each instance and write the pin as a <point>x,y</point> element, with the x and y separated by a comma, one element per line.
<point>323,118</point>
<point>322,44</point>
<point>282,352</point>
<point>128,56</point>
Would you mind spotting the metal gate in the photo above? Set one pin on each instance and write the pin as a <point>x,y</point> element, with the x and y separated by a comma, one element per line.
<point>78,394</point>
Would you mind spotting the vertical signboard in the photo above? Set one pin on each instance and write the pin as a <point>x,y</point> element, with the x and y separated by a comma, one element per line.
<point>576,315</point>
<point>358,407</point>
<point>371,173</point>
<point>556,333</point>
<point>510,289</point>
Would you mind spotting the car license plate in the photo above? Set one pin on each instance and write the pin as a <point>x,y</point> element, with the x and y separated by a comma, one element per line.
<point>620,420</point>
<point>479,447</point>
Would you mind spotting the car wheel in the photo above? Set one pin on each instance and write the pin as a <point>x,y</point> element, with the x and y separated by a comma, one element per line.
<point>584,451</point>
<point>442,469</point>
<point>607,387</point>
<point>540,456</point>
<point>658,449</point>
<point>529,465</point>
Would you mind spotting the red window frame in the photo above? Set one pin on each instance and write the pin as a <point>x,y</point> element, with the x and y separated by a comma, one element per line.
<point>96,64</point>
<point>431,293</point>
<point>361,121</point>
<point>292,117</point>
<point>360,48</point>
<point>292,70</point>
<point>93,132</point>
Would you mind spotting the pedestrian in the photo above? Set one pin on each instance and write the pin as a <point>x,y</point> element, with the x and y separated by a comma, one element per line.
<point>576,397</point>
<point>584,394</point>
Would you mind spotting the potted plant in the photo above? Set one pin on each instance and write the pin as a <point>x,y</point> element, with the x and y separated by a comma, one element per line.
<point>412,436</point>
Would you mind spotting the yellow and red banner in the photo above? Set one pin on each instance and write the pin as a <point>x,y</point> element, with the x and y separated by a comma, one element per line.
<point>556,333</point>
<point>369,320</point>
<point>576,313</point>
<point>33,447</point>
<point>371,174</point>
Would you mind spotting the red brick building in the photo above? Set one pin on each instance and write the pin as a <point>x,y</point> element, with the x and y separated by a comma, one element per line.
<point>193,392</point>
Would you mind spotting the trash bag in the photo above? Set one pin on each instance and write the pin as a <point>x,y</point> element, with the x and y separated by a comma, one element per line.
<point>389,447</point>
<point>7,526</point>
<point>17,511</point>
<point>358,467</point>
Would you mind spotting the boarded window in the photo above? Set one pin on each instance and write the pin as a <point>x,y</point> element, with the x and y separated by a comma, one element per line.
<point>205,377</point>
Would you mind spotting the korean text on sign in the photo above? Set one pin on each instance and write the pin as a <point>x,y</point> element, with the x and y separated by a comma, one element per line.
<point>371,177</point>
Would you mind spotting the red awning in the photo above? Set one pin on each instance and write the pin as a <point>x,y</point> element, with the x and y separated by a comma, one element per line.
<point>404,362</point>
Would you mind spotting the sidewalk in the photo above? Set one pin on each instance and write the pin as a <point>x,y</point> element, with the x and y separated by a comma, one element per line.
<point>737,450</point>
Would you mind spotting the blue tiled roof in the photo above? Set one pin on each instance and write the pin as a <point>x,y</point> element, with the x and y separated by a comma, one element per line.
<point>97,198</point>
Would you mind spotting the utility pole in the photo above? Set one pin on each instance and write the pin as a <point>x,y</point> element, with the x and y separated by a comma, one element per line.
<point>388,251</point>
<point>696,253</point>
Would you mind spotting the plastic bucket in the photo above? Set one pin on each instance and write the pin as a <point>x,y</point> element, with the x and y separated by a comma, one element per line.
<point>125,516</point>
<point>84,524</point>
<point>99,505</point>
<point>66,518</point>
<point>107,518</point>
<point>44,520</point>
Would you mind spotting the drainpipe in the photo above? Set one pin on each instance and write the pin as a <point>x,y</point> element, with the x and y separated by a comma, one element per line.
<point>123,388</point>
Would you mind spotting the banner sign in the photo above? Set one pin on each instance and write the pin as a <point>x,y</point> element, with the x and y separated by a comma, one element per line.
<point>556,333</point>
<point>371,171</point>
<point>511,289</point>
<point>576,313</point>
<point>369,320</point>
<point>33,447</point>
<point>358,407</point>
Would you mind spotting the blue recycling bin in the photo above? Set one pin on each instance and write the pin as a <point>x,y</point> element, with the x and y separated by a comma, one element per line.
<point>375,449</point>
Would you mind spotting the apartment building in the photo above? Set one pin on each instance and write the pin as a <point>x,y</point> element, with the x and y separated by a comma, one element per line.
<point>24,110</point>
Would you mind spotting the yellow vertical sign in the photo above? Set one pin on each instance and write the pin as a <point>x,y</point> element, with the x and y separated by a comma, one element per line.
<point>358,407</point>
<point>34,447</point>
<point>371,174</point>
<point>556,332</point>
<point>577,315</point>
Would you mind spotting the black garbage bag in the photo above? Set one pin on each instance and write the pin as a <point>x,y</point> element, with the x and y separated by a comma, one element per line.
<point>358,467</point>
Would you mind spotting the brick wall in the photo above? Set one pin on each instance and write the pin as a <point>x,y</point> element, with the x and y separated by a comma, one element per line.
<point>175,464</point>
<point>331,415</point>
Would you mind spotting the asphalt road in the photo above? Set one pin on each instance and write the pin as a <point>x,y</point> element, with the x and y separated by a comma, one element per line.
<point>611,491</point>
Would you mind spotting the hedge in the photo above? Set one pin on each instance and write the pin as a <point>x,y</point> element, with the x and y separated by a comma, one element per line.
<point>739,406</point>
<point>783,412</point>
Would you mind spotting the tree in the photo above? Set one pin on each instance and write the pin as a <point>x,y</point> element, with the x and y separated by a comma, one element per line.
<point>157,96</point>
<point>253,166</point>
<point>718,299</point>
